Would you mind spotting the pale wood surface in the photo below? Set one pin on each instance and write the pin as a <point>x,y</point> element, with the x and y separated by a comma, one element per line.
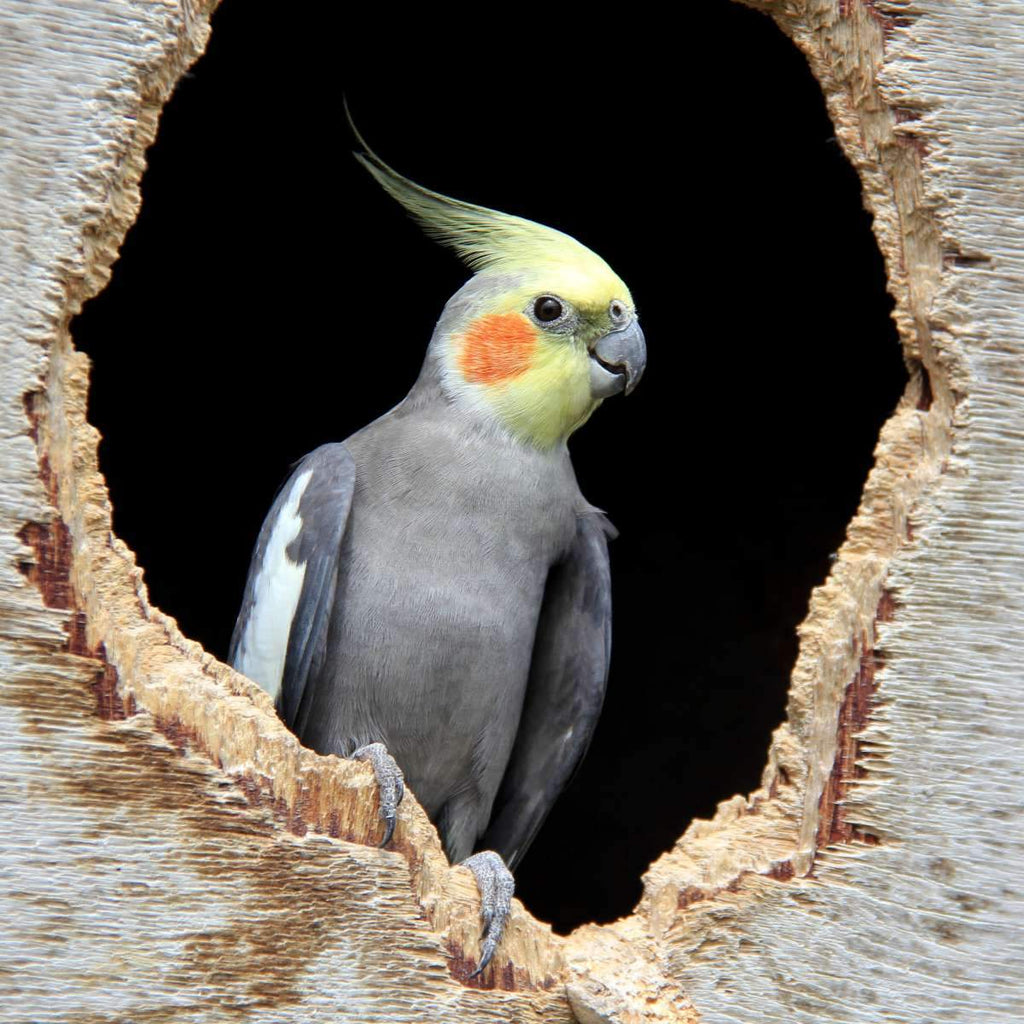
<point>171,853</point>
<point>906,900</point>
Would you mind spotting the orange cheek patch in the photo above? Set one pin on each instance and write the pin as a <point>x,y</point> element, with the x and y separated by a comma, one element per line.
<point>496,347</point>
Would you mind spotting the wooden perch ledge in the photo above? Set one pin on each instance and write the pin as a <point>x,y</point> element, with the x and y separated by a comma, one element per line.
<point>171,853</point>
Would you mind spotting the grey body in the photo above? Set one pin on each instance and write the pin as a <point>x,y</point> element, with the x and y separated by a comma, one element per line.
<point>455,607</point>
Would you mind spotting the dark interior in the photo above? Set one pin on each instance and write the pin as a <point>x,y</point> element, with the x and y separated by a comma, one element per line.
<point>271,298</point>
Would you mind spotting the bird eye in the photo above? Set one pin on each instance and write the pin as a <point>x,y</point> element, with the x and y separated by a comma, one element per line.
<point>547,308</point>
<point>617,310</point>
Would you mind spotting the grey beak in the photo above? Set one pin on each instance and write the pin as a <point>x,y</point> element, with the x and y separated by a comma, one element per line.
<point>617,361</point>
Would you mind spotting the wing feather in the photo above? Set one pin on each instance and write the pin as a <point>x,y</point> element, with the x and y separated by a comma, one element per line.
<point>280,637</point>
<point>568,676</point>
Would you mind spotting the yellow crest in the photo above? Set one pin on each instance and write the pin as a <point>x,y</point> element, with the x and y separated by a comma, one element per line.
<point>488,239</point>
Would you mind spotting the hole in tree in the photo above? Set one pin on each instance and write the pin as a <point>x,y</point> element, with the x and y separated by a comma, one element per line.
<point>271,298</point>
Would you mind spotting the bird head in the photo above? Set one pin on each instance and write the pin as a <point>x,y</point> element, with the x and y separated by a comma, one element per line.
<point>541,334</point>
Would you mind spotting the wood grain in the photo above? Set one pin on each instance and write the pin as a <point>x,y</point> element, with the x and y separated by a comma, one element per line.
<point>171,853</point>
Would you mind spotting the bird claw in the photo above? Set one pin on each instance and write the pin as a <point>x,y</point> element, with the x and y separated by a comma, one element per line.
<point>496,885</point>
<point>390,782</point>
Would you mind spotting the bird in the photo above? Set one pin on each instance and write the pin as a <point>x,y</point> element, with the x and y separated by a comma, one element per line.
<point>433,594</point>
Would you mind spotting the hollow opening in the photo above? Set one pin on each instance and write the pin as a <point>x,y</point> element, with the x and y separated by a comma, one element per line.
<point>270,298</point>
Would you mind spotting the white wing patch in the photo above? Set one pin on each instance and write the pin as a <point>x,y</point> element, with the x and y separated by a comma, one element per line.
<point>276,594</point>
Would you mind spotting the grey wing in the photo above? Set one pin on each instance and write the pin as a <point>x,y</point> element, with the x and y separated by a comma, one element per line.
<point>568,675</point>
<point>280,637</point>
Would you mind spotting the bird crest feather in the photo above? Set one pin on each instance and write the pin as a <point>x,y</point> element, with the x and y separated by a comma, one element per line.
<point>485,239</point>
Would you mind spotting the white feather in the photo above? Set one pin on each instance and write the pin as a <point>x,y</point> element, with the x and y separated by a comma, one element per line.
<point>276,596</point>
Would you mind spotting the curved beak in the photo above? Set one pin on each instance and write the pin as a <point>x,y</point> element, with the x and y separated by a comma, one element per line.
<point>617,361</point>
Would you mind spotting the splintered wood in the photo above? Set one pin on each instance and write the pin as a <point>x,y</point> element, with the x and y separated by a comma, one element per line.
<point>170,852</point>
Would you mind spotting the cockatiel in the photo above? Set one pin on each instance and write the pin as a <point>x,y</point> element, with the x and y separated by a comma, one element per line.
<point>434,591</point>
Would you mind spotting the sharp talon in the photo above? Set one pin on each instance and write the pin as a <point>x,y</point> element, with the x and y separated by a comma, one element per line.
<point>496,885</point>
<point>390,784</point>
<point>486,952</point>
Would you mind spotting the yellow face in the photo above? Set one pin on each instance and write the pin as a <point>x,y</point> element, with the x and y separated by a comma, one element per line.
<point>543,333</point>
<point>527,354</point>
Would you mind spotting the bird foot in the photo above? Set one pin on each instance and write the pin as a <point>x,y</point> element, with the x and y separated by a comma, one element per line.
<point>390,782</point>
<point>496,885</point>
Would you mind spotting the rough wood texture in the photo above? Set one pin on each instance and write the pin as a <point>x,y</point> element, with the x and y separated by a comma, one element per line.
<point>877,875</point>
<point>171,853</point>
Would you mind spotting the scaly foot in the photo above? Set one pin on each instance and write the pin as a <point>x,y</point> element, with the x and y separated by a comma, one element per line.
<point>496,885</point>
<point>390,781</point>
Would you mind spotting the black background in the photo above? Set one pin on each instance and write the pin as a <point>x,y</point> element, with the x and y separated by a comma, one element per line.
<point>271,298</point>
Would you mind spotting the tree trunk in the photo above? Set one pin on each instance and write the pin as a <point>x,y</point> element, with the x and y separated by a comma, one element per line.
<point>170,852</point>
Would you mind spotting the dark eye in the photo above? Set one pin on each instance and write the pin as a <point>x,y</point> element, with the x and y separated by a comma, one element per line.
<point>547,308</point>
<point>617,310</point>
